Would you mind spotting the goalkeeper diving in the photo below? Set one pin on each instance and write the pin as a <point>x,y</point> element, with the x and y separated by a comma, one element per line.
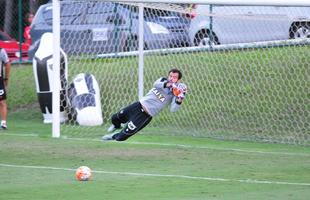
<point>165,91</point>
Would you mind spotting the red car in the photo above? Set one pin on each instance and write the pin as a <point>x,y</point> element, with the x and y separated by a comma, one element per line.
<point>12,47</point>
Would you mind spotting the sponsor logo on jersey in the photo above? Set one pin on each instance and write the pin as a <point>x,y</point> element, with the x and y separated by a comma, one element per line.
<point>158,94</point>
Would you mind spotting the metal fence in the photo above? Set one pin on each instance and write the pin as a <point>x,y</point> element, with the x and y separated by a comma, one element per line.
<point>15,19</point>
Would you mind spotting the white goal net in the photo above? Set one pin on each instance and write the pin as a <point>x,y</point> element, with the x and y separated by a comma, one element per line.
<point>246,67</point>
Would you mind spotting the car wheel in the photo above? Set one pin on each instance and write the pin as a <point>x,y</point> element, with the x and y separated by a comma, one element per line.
<point>205,38</point>
<point>300,30</point>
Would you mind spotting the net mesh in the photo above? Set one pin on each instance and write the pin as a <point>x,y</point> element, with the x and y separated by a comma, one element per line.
<point>246,68</point>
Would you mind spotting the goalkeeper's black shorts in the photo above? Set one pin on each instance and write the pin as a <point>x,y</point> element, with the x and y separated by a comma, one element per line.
<point>135,117</point>
<point>2,89</point>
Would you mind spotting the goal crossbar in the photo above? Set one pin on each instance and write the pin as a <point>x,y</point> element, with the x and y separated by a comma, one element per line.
<point>227,2</point>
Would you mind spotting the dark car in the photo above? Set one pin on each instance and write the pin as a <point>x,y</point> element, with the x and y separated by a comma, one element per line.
<point>12,47</point>
<point>105,27</point>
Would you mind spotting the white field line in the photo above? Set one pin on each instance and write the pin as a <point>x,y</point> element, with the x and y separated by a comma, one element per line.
<point>195,147</point>
<point>172,145</point>
<point>222,149</point>
<point>162,175</point>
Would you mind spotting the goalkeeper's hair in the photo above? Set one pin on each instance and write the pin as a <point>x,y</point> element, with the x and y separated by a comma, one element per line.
<point>175,70</point>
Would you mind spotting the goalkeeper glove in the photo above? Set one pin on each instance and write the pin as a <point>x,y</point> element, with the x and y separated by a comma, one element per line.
<point>179,90</point>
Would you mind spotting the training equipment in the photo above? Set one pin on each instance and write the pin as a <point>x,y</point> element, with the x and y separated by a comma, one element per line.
<point>43,73</point>
<point>84,100</point>
<point>253,90</point>
<point>83,173</point>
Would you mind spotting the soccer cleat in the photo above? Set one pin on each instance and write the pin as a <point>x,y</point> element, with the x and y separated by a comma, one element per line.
<point>108,137</point>
<point>4,126</point>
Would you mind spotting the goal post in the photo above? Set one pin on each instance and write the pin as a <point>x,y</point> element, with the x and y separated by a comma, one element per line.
<point>56,68</point>
<point>245,64</point>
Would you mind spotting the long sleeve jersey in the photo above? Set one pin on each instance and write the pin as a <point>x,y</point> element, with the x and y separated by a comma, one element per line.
<point>158,98</point>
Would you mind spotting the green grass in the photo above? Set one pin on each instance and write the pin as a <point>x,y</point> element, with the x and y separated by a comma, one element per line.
<point>253,95</point>
<point>233,95</point>
<point>35,166</point>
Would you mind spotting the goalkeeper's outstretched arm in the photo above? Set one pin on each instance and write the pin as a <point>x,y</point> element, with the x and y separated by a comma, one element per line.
<point>179,91</point>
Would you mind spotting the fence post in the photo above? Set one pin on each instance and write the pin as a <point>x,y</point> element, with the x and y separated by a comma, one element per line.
<point>20,28</point>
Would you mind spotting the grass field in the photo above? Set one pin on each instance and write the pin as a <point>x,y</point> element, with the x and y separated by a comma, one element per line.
<point>35,166</point>
<point>252,95</point>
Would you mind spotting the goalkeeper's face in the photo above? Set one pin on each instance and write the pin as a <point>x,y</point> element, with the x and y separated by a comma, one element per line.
<point>173,77</point>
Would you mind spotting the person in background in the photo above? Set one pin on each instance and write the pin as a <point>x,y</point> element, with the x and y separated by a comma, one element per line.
<point>27,37</point>
<point>166,91</point>
<point>4,80</point>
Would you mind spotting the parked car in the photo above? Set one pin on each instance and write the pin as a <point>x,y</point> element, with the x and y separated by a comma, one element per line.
<point>12,47</point>
<point>106,27</point>
<point>240,24</point>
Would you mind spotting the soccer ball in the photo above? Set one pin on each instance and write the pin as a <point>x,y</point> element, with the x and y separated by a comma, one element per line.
<point>83,173</point>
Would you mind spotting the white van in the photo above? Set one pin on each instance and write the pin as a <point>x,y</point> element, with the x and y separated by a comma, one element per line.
<point>242,24</point>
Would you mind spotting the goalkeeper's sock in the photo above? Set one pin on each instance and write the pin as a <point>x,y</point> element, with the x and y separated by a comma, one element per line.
<point>111,128</point>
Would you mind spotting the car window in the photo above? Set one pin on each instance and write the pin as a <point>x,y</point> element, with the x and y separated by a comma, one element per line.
<point>132,8</point>
<point>101,7</point>
<point>104,18</point>
<point>47,15</point>
<point>69,14</point>
<point>103,13</point>
<point>150,12</point>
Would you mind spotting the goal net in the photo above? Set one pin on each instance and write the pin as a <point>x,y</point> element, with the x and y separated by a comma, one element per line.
<point>246,67</point>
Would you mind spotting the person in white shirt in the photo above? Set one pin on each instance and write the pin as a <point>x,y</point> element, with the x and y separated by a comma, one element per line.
<point>4,80</point>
